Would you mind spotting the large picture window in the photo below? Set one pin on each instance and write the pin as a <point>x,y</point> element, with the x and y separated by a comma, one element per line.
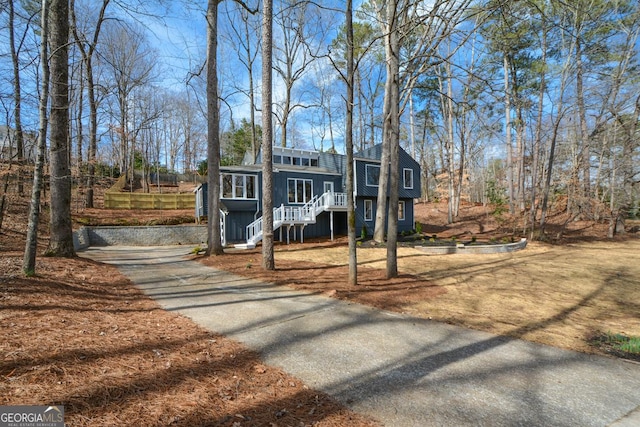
<point>372,173</point>
<point>237,186</point>
<point>407,178</point>
<point>299,190</point>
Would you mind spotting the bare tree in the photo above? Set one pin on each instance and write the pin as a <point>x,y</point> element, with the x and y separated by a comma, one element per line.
<point>388,17</point>
<point>213,132</point>
<point>391,138</point>
<point>87,46</point>
<point>17,95</point>
<point>351,224</point>
<point>268,261</point>
<point>242,38</point>
<point>130,65</point>
<point>61,234</point>
<point>293,56</point>
<point>31,246</point>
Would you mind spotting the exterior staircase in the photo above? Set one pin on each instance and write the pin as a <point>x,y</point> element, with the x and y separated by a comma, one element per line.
<point>296,215</point>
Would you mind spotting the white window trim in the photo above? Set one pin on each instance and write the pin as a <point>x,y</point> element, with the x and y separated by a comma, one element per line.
<point>244,186</point>
<point>404,182</point>
<point>296,189</point>
<point>403,210</point>
<point>366,175</point>
<point>368,202</point>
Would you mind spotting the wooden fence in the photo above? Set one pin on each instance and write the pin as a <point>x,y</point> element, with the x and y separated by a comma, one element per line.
<point>115,200</point>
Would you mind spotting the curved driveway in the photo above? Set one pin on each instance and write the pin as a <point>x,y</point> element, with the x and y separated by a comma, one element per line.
<point>400,370</point>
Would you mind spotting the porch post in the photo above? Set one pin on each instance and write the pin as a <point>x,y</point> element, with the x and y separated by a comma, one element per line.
<point>331,224</point>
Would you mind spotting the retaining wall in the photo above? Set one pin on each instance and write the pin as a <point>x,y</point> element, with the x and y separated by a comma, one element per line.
<point>474,249</point>
<point>156,235</point>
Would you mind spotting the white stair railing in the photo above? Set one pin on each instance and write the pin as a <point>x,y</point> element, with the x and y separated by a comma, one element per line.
<point>223,225</point>
<point>254,230</point>
<point>297,214</point>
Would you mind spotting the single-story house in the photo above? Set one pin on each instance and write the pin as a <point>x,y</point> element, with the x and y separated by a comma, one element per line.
<point>309,196</point>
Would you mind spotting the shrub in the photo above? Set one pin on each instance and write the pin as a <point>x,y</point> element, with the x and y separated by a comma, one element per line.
<point>419,227</point>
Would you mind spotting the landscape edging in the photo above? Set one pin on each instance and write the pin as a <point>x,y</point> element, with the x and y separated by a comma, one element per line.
<point>474,249</point>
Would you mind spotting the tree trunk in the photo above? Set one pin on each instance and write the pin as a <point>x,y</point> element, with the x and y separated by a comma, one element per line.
<point>3,198</point>
<point>214,246</point>
<point>252,100</point>
<point>393,134</point>
<point>451,161</point>
<point>61,240</point>
<point>351,213</point>
<point>17,96</point>
<point>268,261</point>
<point>389,28</point>
<point>87,57</point>
<point>507,119</point>
<point>584,161</point>
<point>547,185</point>
<point>537,142</point>
<point>31,245</point>
<point>520,129</point>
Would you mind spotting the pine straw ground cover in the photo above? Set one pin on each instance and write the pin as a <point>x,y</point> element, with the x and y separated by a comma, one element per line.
<point>80,335</point>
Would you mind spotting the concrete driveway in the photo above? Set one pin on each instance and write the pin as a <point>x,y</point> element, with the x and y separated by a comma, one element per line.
<point>400,370</point>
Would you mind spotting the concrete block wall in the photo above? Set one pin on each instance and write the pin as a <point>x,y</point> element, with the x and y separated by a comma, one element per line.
<point>156,235</point>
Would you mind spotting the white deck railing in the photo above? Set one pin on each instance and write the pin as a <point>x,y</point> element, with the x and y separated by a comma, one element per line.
<point>305,214</point>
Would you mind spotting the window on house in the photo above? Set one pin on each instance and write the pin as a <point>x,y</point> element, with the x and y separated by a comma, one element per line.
<point>277,159</point>
<point>368,210</point>
<point>372,173</point>
<point>401,210</point>
<point>297,161</point>
<point>286,160</point>
<point>227,186</point>
<point>237,186</point>
<point>250,186</point>
<point>314,163</point>
<point>407,178</point>
<point>299,190</point>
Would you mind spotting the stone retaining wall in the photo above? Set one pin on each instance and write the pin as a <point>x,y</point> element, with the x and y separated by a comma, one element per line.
<point>474,249</point>
<point>156,235</point>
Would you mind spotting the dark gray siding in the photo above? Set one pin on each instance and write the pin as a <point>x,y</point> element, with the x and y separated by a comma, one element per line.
<point>280,184</point>
<point>403,225</point>
<point>240,213</point>
<point>371,156</point>
<point>236,227</point>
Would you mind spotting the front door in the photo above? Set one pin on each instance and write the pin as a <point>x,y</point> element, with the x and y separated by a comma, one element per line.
<point>328,187</point>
